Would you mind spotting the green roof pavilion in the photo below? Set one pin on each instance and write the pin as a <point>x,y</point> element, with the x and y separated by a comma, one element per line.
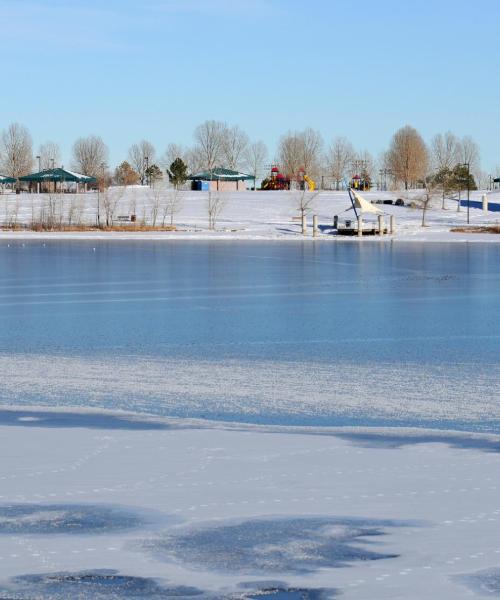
<point>220,174</point>
<point>57,175</point>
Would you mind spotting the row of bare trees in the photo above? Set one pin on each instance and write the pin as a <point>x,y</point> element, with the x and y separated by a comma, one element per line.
<point>408,159</point>
<point>17,157</point>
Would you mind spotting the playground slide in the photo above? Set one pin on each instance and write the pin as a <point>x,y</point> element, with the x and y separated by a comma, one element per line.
<point>310,183</point>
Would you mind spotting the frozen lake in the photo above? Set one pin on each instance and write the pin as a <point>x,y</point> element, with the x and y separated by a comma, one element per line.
<point>100,504</point>
<point>334,334</point>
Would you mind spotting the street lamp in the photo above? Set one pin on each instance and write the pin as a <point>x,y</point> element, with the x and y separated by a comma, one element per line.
<point>99,183</point>
<point>39,169</point>
<point>466,164</point>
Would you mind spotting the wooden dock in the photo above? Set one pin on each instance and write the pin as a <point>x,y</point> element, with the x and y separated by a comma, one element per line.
<point>353,231</point>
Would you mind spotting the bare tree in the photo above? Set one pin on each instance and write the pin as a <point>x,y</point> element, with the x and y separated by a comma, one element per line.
<point>290,153</point>
<point>215,204</point>
<point>304,201</point>
<point>482,179</point>
<point>408,156</point>
<point>195,159</point>
<point>300,150</point>
<point>255,158</point>
<point>89,154</point>
<point>50,155</point>
<point>75,211</point>
<point>234,144</point>
<point>469,154</point>
<point>445,155</point>
<point>312,147</point>
<point>364,164</point>
<point>173,203</point>
<point>110,198</point>
<point>445,150</point>
<point>141,156</point>
<point>16,151</point>
<point>172,152</point>
<point>429,195</point>
<point>338,159</point>
<point>209,138</point>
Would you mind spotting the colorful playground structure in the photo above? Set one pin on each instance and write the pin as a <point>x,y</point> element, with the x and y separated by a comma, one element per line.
<point>304,180</point>
<point>361,183</point>
<point>278,181</point>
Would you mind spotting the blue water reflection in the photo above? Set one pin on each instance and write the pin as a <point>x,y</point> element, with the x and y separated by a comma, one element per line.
<point>369,303</point>
<point>318,301</point>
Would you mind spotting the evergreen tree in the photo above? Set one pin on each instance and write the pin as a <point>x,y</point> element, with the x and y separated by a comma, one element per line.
<point>459,178</point>
<point>454,179</point>
<point>153,173</point>
<point>178,172</point>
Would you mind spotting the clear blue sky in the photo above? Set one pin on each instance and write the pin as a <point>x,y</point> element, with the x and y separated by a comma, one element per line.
<point>154,69</point>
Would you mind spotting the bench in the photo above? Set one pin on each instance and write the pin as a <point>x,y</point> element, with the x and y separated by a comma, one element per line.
<point>126,218</point>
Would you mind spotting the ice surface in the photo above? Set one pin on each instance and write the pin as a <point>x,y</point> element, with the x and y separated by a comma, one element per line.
<point>388,439</point>
<point>45,519</point>
<point>401,335</point>
<point>85,418</point>
<point>235,493</point>
<point>105,584</point>
<point>293,594</point>
<point>486,582</point>
<point>295,545</point>
<point>109,584</point>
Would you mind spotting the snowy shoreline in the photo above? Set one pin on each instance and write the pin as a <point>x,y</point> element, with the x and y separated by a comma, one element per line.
<point>251,216</point>
<point>425,237</point>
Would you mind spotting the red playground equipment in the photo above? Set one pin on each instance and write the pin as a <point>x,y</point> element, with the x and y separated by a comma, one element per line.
<point>277,181</point>
<point>361,183</point>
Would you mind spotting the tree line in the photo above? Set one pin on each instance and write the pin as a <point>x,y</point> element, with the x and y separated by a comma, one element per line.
<point>408,162</point>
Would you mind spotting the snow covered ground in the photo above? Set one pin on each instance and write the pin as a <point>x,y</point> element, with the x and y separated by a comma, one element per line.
<point>253,215</point>
<point>227,512</point>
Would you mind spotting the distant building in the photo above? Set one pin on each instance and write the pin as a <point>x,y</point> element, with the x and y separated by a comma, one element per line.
<point>219,179</point>
<point>58,179</point>
<point>6,181</point>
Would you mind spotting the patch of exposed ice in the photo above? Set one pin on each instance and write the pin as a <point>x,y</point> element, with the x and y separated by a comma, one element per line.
<point>16,519</point>
<point>284,545</point>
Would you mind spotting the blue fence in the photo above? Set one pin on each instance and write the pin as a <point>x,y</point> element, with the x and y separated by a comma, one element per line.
<point>492,206</point>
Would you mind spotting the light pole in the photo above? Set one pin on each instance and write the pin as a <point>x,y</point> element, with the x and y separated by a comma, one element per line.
<point>99,183</point>
<point>466,164</point>
<point>39,169</point>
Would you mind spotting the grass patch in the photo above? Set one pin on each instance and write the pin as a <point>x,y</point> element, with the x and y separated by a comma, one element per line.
<point>82,228</point>
<point>477,229</point>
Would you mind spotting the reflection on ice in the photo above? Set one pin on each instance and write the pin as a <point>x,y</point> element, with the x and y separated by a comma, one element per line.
<point>288,545</point>
<point>69,518</point>
<point>292,594</point>
<point>486,582</point>
<point>109,584</point>
<point>89,420</point>
<point>102,584</point>
<point>397,440</point>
